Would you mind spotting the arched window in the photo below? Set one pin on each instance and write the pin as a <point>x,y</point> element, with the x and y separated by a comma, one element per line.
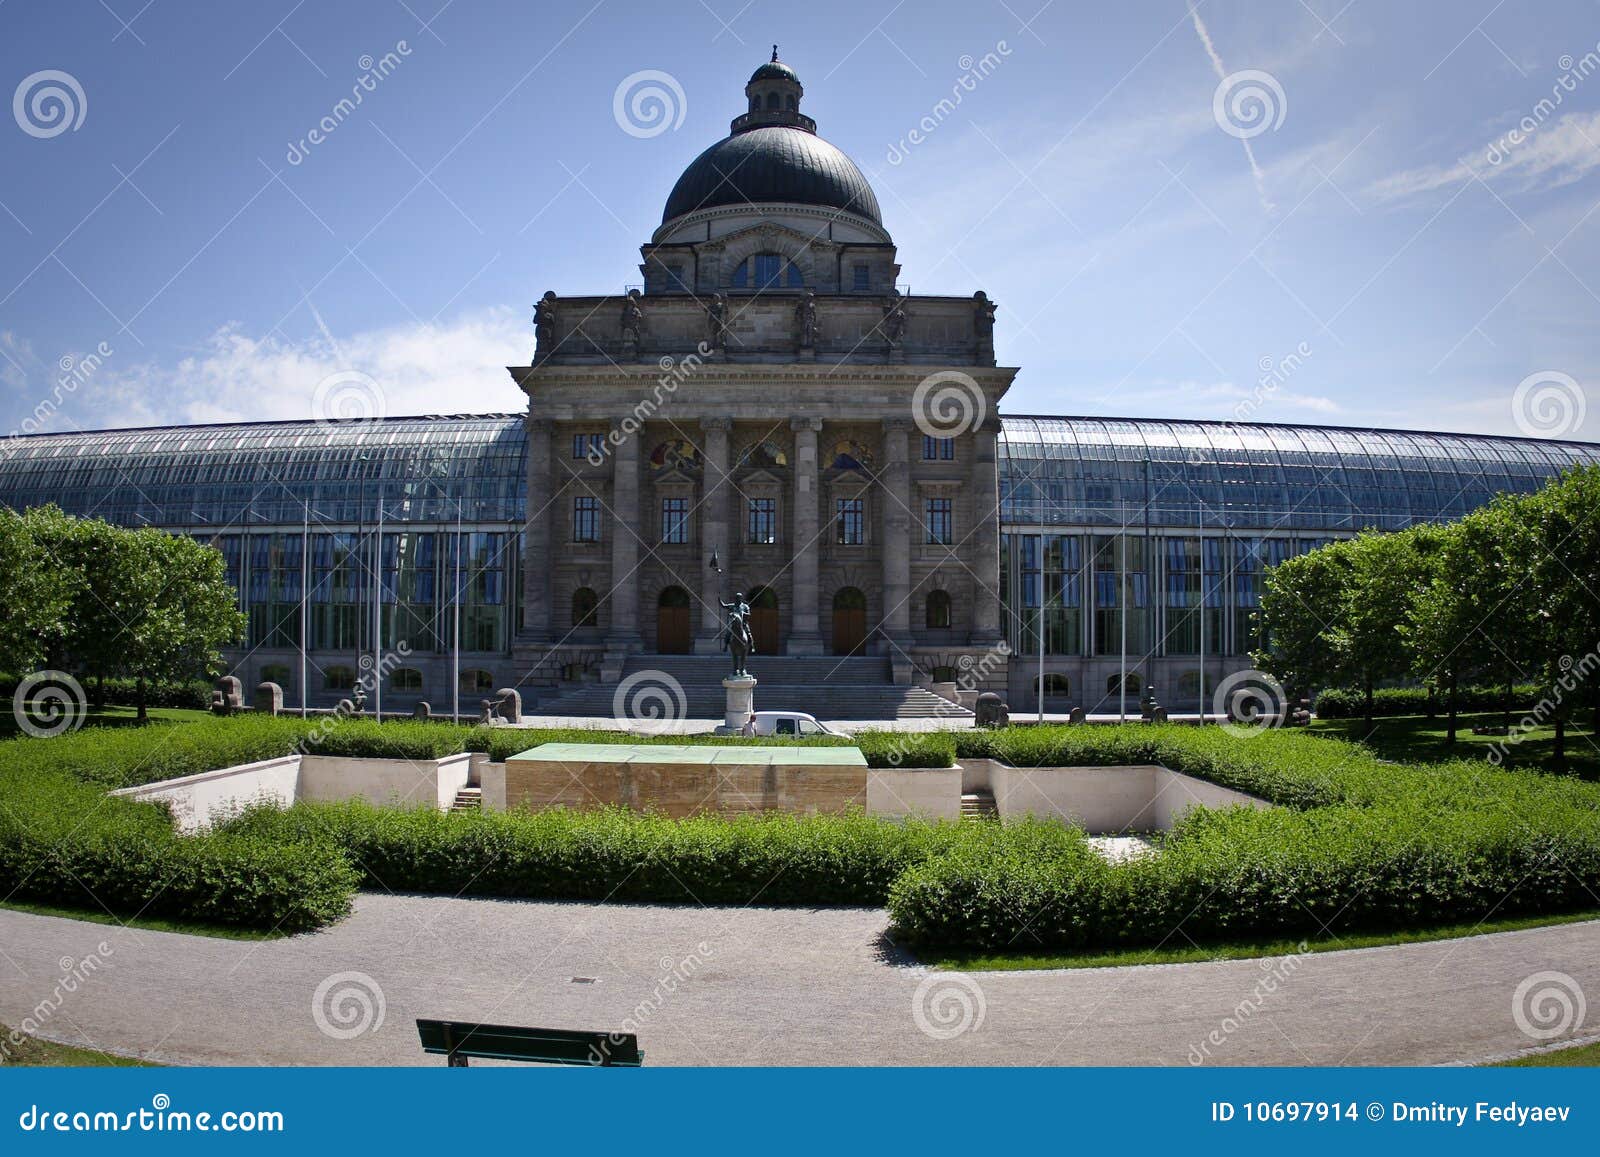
<point>406,679</point>
<point>850,455</point>
<point>1134,683</point>
<point>1189,683</point>
<point>338,679</point>
<point>585,608</point>
<point>473,680</point>
<point>767,271</point>
<point>763,455</point>
<point>675,452</point>
<point>773,101</point>
<point>938,611</point>
<point>1055,684</point>
<point>277,673</point>
<point>794,105</point>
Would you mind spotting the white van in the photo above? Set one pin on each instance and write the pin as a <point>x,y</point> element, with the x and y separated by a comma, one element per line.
<point>791,723</point>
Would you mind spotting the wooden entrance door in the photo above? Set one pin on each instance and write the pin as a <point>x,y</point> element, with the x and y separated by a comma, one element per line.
<point>849,622</point>
<point>764,621</point>
<point>672,622</point>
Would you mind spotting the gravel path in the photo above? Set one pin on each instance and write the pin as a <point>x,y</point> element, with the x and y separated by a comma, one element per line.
<point>757,986</point>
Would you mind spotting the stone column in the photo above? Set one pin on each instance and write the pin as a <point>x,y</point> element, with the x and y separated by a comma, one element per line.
<point>625,527</point>
<point>714,522</point>
<point>805,637</point>
<point>538,536</point>
<point>897,523</point>
<point>985,535</point>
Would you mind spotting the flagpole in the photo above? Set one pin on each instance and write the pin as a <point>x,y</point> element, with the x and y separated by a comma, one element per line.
<point>455,646</point>
<point>305,595</point>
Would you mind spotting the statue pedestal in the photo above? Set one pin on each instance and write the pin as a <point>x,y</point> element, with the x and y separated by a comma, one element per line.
<point>741,691</point>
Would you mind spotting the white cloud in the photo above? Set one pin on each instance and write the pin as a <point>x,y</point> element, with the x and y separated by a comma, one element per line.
<point>1545,156</point>
<point>450,367</point>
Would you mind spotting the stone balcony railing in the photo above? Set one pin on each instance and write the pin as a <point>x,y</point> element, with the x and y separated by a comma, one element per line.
<point>767,327</point>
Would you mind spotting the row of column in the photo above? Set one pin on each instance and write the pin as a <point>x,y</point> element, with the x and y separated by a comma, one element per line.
<point>716,517</point>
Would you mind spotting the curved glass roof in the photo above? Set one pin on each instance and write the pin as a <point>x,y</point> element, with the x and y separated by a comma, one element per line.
<point>1053,471</point>
<point>252,474</point>
<point>1092,472</point>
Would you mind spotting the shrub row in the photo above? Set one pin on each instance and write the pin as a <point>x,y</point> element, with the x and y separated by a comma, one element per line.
<point>192,693</point>
<point>1360,845</point>
<point>63,842</point>
<point>1350,703</point>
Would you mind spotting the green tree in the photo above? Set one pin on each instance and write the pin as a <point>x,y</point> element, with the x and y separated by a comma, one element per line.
<point>1445,624</point>
<point>184,610</point>
<point>35,590</point>
<point>1383,574</point>
<point>1301,601</point>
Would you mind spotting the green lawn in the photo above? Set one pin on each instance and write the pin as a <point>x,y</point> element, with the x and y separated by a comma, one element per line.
<point>30,1052</point>
<point>1581,1056</point>
<point>1186,953</point>
<point>115,716</point>
<point>1419,739</point>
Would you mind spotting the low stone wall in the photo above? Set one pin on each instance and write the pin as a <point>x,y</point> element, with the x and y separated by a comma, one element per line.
<point>1139,798</point>
<point>198,801</point>
<point>386,782</point>
<point>932,793</point>
<point>686,780</point>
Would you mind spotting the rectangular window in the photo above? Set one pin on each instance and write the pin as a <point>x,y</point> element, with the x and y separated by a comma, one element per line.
<point>936,521</point>
<point>583,445</point>
<point>586,519</point>
<point>938,449</point>
<point>850,518</point>
<point>675,520</point>
<point>762,522</point>
<point>862,281</point>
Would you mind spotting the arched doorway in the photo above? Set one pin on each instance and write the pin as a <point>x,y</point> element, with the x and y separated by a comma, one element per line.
<point>764,620</point>
<point>672,622</point>
<point>849,621</point>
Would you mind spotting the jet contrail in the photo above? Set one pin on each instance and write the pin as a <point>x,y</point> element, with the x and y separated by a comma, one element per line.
<point>1222,74</point>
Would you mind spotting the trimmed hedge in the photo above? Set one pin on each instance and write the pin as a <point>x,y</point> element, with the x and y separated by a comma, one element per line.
<point>1351,703</point>
<point>1360,844</point>
<point>64,842</point>
<point>619,855</point>
<point>191,693</point>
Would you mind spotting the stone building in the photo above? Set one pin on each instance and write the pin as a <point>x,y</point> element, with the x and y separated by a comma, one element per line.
<point>770,398</point>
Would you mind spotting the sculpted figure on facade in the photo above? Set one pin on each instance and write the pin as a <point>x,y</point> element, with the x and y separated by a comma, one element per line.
<point>544,324</point>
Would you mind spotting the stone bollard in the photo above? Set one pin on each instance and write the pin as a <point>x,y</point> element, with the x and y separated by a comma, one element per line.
<point>269,699</point>
<point>344,707</point>
<point>990,711</point>
<point>486,713</point>
<point>228,697</point>
<point>1075,715</point>
<point>509,703</point>
<point>422,710</point>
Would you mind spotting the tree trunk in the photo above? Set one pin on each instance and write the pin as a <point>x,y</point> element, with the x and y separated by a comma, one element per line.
<point>1432,707</point>
<point>1506,713</point>
<point>99,689</point>
<point>1559,754</point>
<point>1369,704</point>
<point>144,715</point>
<point>1450,728</point>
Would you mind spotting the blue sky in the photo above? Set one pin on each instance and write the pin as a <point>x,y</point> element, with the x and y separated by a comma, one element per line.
<point>1409,236</point>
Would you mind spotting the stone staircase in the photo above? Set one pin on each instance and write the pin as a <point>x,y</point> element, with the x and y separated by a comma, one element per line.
<point>828,687</point>
<point>979,805</point>
<point>468,799</point>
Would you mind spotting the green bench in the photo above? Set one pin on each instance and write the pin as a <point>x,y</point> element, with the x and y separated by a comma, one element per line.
<point>458,1040</point>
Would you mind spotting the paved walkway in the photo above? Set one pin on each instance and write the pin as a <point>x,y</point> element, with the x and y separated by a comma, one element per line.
<point>758,986</point>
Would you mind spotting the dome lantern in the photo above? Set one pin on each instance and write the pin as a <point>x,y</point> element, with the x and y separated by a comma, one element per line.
<point>772,97</point>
